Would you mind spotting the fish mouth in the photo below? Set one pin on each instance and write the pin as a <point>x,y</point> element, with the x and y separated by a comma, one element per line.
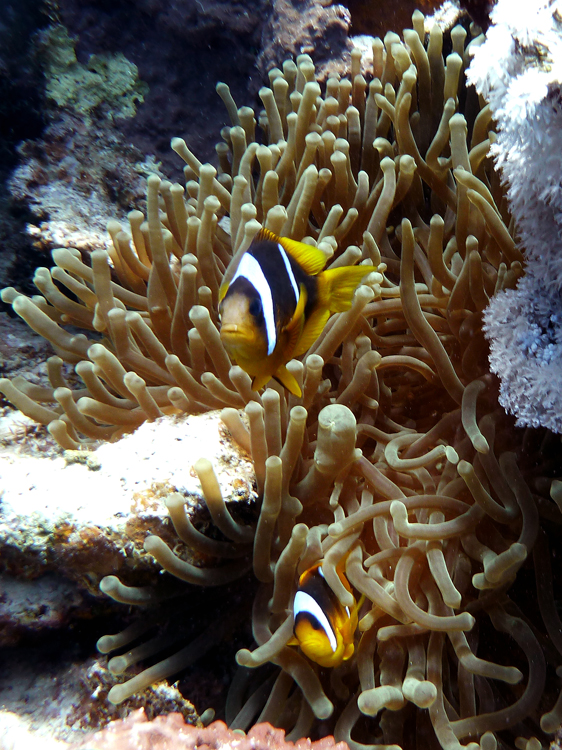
<point>234,333</point>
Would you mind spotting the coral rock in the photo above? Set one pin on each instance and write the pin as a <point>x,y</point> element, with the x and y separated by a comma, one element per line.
<point>85,514</point>
<point>318,29</point>
<point>27,607</point>
<point>172,733</point>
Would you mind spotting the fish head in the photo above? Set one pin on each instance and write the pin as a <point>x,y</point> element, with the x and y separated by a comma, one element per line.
<point>242,328</point>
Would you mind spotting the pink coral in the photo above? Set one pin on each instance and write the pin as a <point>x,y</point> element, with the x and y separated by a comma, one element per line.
<point>170,732</point>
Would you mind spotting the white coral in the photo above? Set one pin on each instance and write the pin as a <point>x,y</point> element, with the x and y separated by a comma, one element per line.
<point>519,71</point>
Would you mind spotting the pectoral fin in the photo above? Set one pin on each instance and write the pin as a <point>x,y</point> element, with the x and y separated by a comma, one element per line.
<point>298,315</point>
<point>312,329</point>
<point>260,381</point>
<point>288,381</point>
<point>293,329</point>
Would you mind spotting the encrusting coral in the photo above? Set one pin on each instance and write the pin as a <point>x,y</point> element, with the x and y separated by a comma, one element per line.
<point>170,732</point>
<point>397,457</point>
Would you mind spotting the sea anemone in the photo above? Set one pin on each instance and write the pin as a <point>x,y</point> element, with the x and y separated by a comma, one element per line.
<point>396,459</point>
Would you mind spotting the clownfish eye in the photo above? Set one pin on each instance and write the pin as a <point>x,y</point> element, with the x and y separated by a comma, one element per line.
<point>256,308</point>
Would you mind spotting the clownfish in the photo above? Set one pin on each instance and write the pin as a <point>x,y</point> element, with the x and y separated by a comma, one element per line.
<point>323,628</point>
<point>277,302</point>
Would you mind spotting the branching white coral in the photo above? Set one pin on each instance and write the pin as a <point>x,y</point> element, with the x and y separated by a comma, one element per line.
<point>519,71</point>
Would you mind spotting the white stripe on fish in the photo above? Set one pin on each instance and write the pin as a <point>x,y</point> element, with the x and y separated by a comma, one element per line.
<point>250,269</point>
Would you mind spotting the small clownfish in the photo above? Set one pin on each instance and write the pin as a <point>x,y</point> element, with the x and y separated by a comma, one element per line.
<point>277,302</point>
<point>323,628</point>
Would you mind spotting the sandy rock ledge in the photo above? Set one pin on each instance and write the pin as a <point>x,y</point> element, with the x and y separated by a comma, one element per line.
<point>84,515</point>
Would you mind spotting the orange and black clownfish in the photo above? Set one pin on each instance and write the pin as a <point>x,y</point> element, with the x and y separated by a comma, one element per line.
<point>277,302</point>
<point>323,628</point>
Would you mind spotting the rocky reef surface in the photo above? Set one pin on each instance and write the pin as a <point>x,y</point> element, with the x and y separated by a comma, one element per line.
<point>66,521</point>
<point>93,93</point>
<point>168,732</point>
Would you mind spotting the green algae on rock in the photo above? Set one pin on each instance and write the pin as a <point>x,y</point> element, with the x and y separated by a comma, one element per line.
<point>108,79</point>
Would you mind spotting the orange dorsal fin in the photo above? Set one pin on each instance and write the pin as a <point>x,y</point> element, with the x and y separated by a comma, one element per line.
<point>309,258</point>
<point>338,285</point>
<point>266,234</point>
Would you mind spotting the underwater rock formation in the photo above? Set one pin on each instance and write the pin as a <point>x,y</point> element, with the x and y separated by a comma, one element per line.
<point>318,29</point>
<point>73,177</point>
<point>397,465</point>
<point>29,607</point>
<point>169,732</point>
<point>181,49</point>
<point>376,19</point>
<point>21,116</point>
<point>172,733</point>
<point>48,525</point>
<point>518,71</point>
<point>52,697</point>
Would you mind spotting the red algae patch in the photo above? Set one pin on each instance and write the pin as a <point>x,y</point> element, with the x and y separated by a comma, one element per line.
<point>172,733</point>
